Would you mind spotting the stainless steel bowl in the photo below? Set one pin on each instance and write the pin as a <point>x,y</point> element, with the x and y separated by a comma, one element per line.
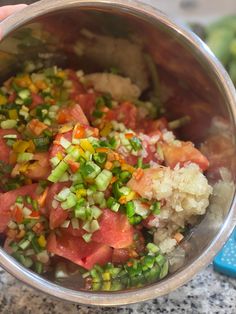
<point>182,57</point>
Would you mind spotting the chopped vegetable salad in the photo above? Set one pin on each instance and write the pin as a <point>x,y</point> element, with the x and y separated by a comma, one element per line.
<point>90,177</point>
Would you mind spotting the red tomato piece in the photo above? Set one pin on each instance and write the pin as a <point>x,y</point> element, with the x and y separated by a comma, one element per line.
<point>56,147</point>
<point>4,148</point>
<point>36,100</point>
<point>115,230</point>
<point>87,103</point>
<point>17,215</point>
<point>72,114</point>
<point>78,88</point>
<point>78,251</point>
<point>221,152</point>
<point>183,154</point>
<point>126,113</point>
<point>56,215</point>
<point>8,199</point>
<point>41,169</point>
<point>149,126</point>
<point>142,186</point>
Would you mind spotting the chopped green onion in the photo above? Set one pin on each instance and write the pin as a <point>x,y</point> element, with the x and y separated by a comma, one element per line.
<point>28,199</point>
<point>115,207</point>
<point>75,223</point>
<point>130,209</point>
<point>26,211</point>
<point>96,212</point>
<point>97,113</point>
<point>24,94</point>
<point>8,124</point>
<point>69,202</point>
<point>42,144</point>
<point>35,245</point>
<point>112,204</point>
<point>14,246</point>
<point>134,220</point>
<point>12,225</point>
<point>98,197</point>
<point>125,176</point>
<point>103,179</point>
<point>57,173</point>
<point>179,122</point>
<point>152,248</point>
<point>62,196</point>
<point>156,208</point>
<point>38,267</point>
<point>55,161</point>
<point>135,143</point>
<point>90,170</point>
<point>87,237</point>
<point>124,190</point>
<point>24,157</point>
<point>94,226</point>
<point>160,259</point>
<point>65,224</point>
<point>77,178</point>
<point>10,136</point>
<point>80,212</point>
<point>65,177</point>
<point>116,189</point>
<point>65,143</point>
<point>164,269</point>
<point>100,158</point>
<point>24,244</point>
<point>140,163</point>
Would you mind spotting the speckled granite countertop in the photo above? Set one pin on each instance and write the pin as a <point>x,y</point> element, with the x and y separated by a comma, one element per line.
<point>207,293</point>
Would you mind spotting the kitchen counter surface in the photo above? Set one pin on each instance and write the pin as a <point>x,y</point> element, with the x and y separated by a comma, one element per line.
<point>209,292</point>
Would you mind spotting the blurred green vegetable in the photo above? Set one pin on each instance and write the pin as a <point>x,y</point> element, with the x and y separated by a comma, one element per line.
<point>220,36</point>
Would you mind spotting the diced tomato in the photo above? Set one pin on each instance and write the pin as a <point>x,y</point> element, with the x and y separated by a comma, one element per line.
<point>221,152</point>
<point>4,148</point>
<point>41,167</point>
<point>183,154</point>
<point>36,100</point>
<point>87,103</point>
<point>72,114</point>
<point>78,88</point>
<point>126,113</point>
<point>8,199</point>
<point>36,126</point>
<point>56,215</point>
<point>115,230</point>
<point>78,251</point>
<point>56,147</point>
<point>12,97</point>
<point>75,232</point>
<point>17,215</point>
<point>35,214</point>
<point>120,256</point>
<point>142,186</point>
<point>74,166</point>
<point>149,126</point>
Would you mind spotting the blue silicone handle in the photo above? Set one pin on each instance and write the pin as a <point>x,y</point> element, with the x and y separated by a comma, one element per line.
<point>225,260</point>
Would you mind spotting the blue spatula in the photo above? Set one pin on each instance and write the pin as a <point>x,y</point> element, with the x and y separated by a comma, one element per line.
<point>225,260</point>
